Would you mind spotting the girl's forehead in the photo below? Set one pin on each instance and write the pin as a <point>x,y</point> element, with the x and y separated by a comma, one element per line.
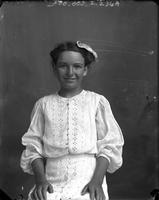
<point>70,56</point>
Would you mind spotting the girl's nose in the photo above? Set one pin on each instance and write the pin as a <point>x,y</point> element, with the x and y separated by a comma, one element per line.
<point>70,70</point>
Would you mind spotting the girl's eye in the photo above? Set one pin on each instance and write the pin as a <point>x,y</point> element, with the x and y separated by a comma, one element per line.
<point>61,65</point>
<point>77,66</point>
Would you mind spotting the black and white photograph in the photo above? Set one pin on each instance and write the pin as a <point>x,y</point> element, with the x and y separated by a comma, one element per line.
<point>79,100</point>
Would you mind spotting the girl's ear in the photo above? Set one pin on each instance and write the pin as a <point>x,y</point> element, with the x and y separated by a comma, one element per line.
<point>85,70</point>
<point>53,67</point>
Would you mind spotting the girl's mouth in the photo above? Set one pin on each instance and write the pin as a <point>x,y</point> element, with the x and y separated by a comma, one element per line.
<point>69,79</point>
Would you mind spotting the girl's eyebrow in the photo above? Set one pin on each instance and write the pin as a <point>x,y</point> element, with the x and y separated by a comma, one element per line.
<point>79,63</point>
<point>63,62</point>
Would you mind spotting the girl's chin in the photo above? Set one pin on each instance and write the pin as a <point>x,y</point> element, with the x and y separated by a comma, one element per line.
<point>69,84</point>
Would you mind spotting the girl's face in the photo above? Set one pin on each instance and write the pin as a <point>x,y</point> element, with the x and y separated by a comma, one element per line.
<point>70,70</point>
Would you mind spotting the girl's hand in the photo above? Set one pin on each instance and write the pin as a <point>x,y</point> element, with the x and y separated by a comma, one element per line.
<point>95,190</point>
<point>39,192</point>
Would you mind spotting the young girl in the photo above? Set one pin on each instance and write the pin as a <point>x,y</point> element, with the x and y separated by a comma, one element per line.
<point>73,138</point>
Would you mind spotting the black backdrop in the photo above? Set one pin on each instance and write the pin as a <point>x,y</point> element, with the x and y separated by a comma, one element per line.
<point>125,37</point>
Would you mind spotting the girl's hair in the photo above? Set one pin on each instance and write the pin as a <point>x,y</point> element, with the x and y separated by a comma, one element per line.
<point>71,46</point>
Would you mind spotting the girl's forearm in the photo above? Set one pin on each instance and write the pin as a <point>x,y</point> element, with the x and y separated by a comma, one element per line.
<point>39,170</point>
<point>100,170</point>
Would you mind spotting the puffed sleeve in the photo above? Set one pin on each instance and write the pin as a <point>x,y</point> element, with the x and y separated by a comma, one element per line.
<point>32,139</point>
<point>109,136</point>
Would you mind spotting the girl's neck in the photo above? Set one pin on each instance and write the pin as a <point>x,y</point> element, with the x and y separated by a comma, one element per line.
<point>69,93</point>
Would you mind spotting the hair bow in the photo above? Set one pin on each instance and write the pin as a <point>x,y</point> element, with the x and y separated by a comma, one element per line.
<point>88,48</point>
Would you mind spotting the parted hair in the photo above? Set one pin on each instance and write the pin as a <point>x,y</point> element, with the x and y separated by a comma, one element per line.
<point>71,46</point>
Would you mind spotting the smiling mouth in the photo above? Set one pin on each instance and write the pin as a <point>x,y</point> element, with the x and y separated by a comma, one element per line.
<point>70,79</point>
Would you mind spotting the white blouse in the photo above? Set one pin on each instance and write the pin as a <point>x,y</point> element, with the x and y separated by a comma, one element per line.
<point>82,124</point>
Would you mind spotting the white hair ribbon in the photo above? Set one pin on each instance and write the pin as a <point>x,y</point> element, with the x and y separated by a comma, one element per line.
<point>88,48</point>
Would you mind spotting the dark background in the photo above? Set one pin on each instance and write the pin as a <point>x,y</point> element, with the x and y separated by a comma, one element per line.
<point>125,38</point>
